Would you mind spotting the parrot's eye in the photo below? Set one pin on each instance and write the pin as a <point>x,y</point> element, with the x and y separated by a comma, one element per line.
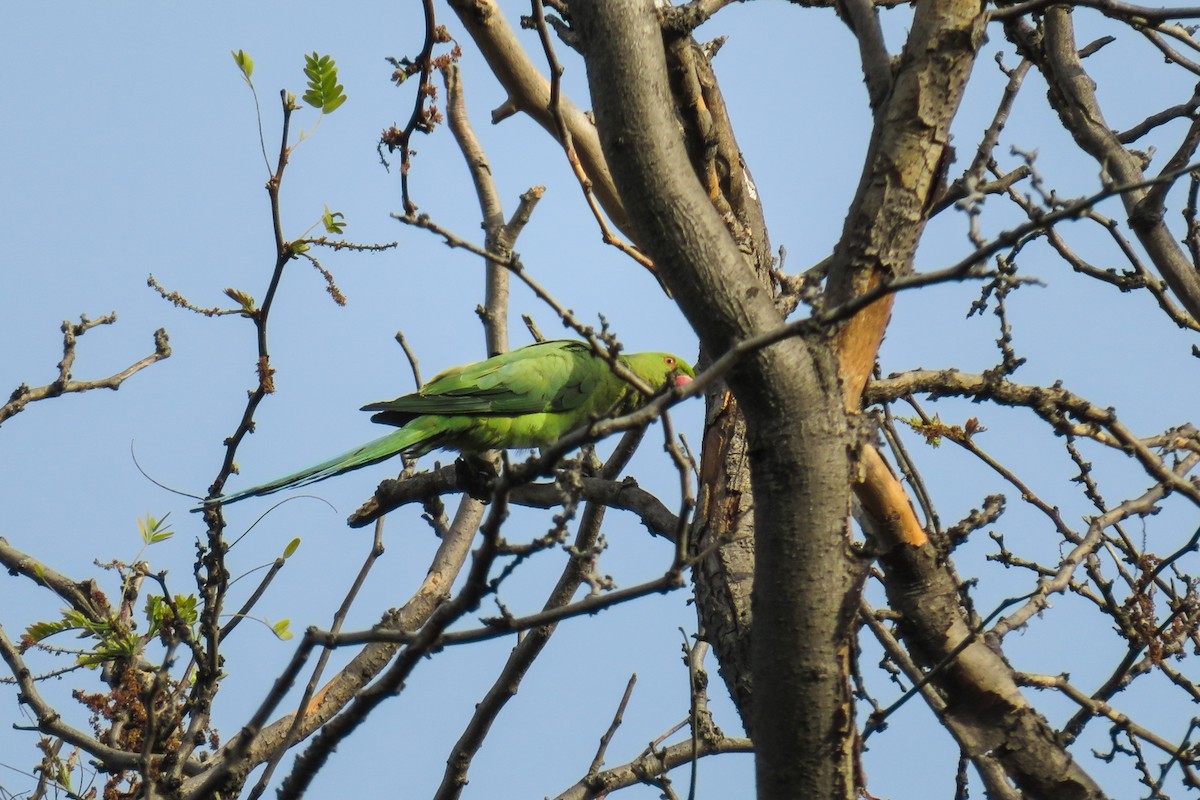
<point>670,362</point>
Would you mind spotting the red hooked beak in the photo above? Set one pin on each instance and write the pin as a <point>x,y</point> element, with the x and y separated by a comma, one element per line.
<point>682,380</point>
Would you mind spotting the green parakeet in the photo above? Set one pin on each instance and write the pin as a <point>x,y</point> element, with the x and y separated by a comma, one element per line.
<point>530,397</point>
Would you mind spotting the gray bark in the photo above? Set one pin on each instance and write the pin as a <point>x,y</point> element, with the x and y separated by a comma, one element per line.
<point>798,433</point>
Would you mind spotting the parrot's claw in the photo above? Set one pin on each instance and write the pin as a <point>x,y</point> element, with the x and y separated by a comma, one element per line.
<point>477,476</point>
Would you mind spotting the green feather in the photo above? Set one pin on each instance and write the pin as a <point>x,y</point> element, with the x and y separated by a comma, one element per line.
<point>529,397</point>
<point>422,430</point>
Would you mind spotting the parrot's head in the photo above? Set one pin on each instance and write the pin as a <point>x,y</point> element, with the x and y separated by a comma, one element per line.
<point>660,370</point>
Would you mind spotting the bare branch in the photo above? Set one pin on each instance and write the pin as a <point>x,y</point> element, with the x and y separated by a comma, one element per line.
<point>85,597</point>
<point>862,17</point>
<point>529,92</point>
<point>499,238</point>
<point>654,763</point>
<point>1111,8</point>
<point>598,760</point>
<point>389,682</point>
<point>1073,97</point>
<point>564,136</point>
<point>23,395</point>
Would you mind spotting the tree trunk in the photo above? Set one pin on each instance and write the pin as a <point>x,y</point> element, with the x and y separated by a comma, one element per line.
<point>797,431</point>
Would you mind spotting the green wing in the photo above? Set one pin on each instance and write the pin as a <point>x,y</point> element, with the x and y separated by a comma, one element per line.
<point>548,377</point>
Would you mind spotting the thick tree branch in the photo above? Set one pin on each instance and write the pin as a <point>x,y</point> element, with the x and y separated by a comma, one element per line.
<point>992,716</point>
<point>83,596</point>
<point>903,172</point>
<point>862,17</point>
<point>1125,12</point>
<point>529,91</point>
<point>990,770</point>
<point>797,430</point>
<point>625,494</point>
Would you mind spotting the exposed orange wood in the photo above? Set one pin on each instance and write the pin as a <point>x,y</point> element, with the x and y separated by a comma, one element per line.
<point>858,345</point>
<point>876,486</point>
<point>883,496</point>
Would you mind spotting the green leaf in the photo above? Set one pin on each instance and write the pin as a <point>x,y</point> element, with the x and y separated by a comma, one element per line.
<point>154,607</point>
<point>156,612</point>
<point>187,607</point>
<point>242,299</point>
<point>111,649</point>
<point>154,530</point>
<point>291,548</point>
<point>161,615</point>
<point>64,777</point>
<point>334,221</point>
<point>324,92</point>
<point>245,63</point>
<point>42,630</point>
<point>281,629</point>
<point>71,621</point>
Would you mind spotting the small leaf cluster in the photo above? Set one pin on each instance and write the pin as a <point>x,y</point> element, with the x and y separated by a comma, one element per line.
<point>324,92</point>
<point>116,641</point>
<point>245,63</point>
<point>334,221</point>
<point>116,636</point>
<point>113,642</point>
<point>934,430</point>
<point>163,616</point>
<point>154,530</point>
<point>282,629</point>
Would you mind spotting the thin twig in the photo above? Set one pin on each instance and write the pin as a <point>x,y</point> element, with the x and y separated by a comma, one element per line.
<point>617,719</point>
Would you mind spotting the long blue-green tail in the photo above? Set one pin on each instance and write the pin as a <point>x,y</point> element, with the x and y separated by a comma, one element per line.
<point>411,436</point>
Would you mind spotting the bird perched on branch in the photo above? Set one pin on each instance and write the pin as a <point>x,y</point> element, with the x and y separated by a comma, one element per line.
<point>530,397</point>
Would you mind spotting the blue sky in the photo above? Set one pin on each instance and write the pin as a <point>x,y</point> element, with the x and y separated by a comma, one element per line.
<point>130,147</point>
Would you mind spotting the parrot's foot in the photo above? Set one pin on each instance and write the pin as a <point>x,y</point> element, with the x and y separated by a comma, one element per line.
<point>477,476</point>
